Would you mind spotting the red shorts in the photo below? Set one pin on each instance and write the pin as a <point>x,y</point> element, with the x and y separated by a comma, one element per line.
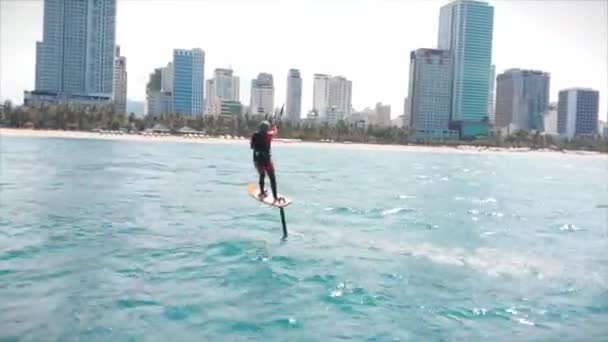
<point>264,166</point>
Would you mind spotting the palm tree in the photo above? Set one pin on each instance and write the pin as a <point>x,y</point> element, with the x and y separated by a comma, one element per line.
<point>7,110</point>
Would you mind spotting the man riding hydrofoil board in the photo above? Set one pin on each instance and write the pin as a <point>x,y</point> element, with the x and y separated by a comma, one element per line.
<point>262,158</point>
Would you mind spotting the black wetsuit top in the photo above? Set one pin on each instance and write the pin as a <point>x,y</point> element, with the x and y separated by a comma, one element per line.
<point>260,143</point>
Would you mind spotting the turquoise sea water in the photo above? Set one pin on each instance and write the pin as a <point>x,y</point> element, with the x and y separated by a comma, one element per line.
<point>136,241</point>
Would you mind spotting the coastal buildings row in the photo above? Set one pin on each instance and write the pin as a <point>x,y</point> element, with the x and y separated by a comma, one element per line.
<point>453,90</point>
<point>454,93</point>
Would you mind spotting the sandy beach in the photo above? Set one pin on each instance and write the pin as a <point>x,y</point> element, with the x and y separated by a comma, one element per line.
<point>462,149</point>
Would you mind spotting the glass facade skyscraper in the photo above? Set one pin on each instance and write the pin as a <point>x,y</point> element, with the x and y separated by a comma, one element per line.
<point>577,112</point>
<point>465,29</point>
<point>76,55</point>
<point>522,99</point>
<point>188,81</point>
<point>429,93</point>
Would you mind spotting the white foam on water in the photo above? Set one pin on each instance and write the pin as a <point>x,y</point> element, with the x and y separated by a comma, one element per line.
<point>335,293</point>
<point>479,311</point>
<point>486,260</point>
<point>494,214</point>
<point>489,261</point>
<point>393,211</point>
<point>525,321</point>
<point>484,200</point>
<point>568,227</point>
<point>512,311</point>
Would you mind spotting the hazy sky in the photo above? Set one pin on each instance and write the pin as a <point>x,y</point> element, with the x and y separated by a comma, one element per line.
<point>368,41</point>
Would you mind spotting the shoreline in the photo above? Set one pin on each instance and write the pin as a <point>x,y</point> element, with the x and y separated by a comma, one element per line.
<point>460,149</point>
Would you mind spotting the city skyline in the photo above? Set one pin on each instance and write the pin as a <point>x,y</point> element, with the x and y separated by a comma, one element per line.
<point>568,49</point>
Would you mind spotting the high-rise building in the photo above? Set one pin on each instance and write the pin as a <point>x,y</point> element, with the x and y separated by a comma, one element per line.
<point>522,98</point>
<point>430,93</point>
<point>491,89</point>
<point>577,112</point>
<point>362,119</point>
<point>232,108</point>
<point>382,115</point>
<point>120,83</point>
<point>158,101</point>
<point>224,86</point>
<point>398,121</point>
<point>75,60</point>
<point>604,130</point>
<point>262,94</point>
<point>227,84</point>
<point>293,103</point>
<point>465,29</point>
<point>339,99</point>
<point>550,119</point>
<point>406,112</point>
<point>188,81</point>
<point>211,100</point>
<point>320,94</point>
<point>167,77</point>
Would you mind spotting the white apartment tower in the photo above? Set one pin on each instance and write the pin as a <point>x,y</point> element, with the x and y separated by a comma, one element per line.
<point>293,108</point>
<point>320,94</point>
<point>340,97</point>
<point>224,86</point>
<point>262,95</point>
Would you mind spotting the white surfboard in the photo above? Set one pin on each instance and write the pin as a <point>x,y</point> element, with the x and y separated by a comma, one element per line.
<point>254,191</point>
